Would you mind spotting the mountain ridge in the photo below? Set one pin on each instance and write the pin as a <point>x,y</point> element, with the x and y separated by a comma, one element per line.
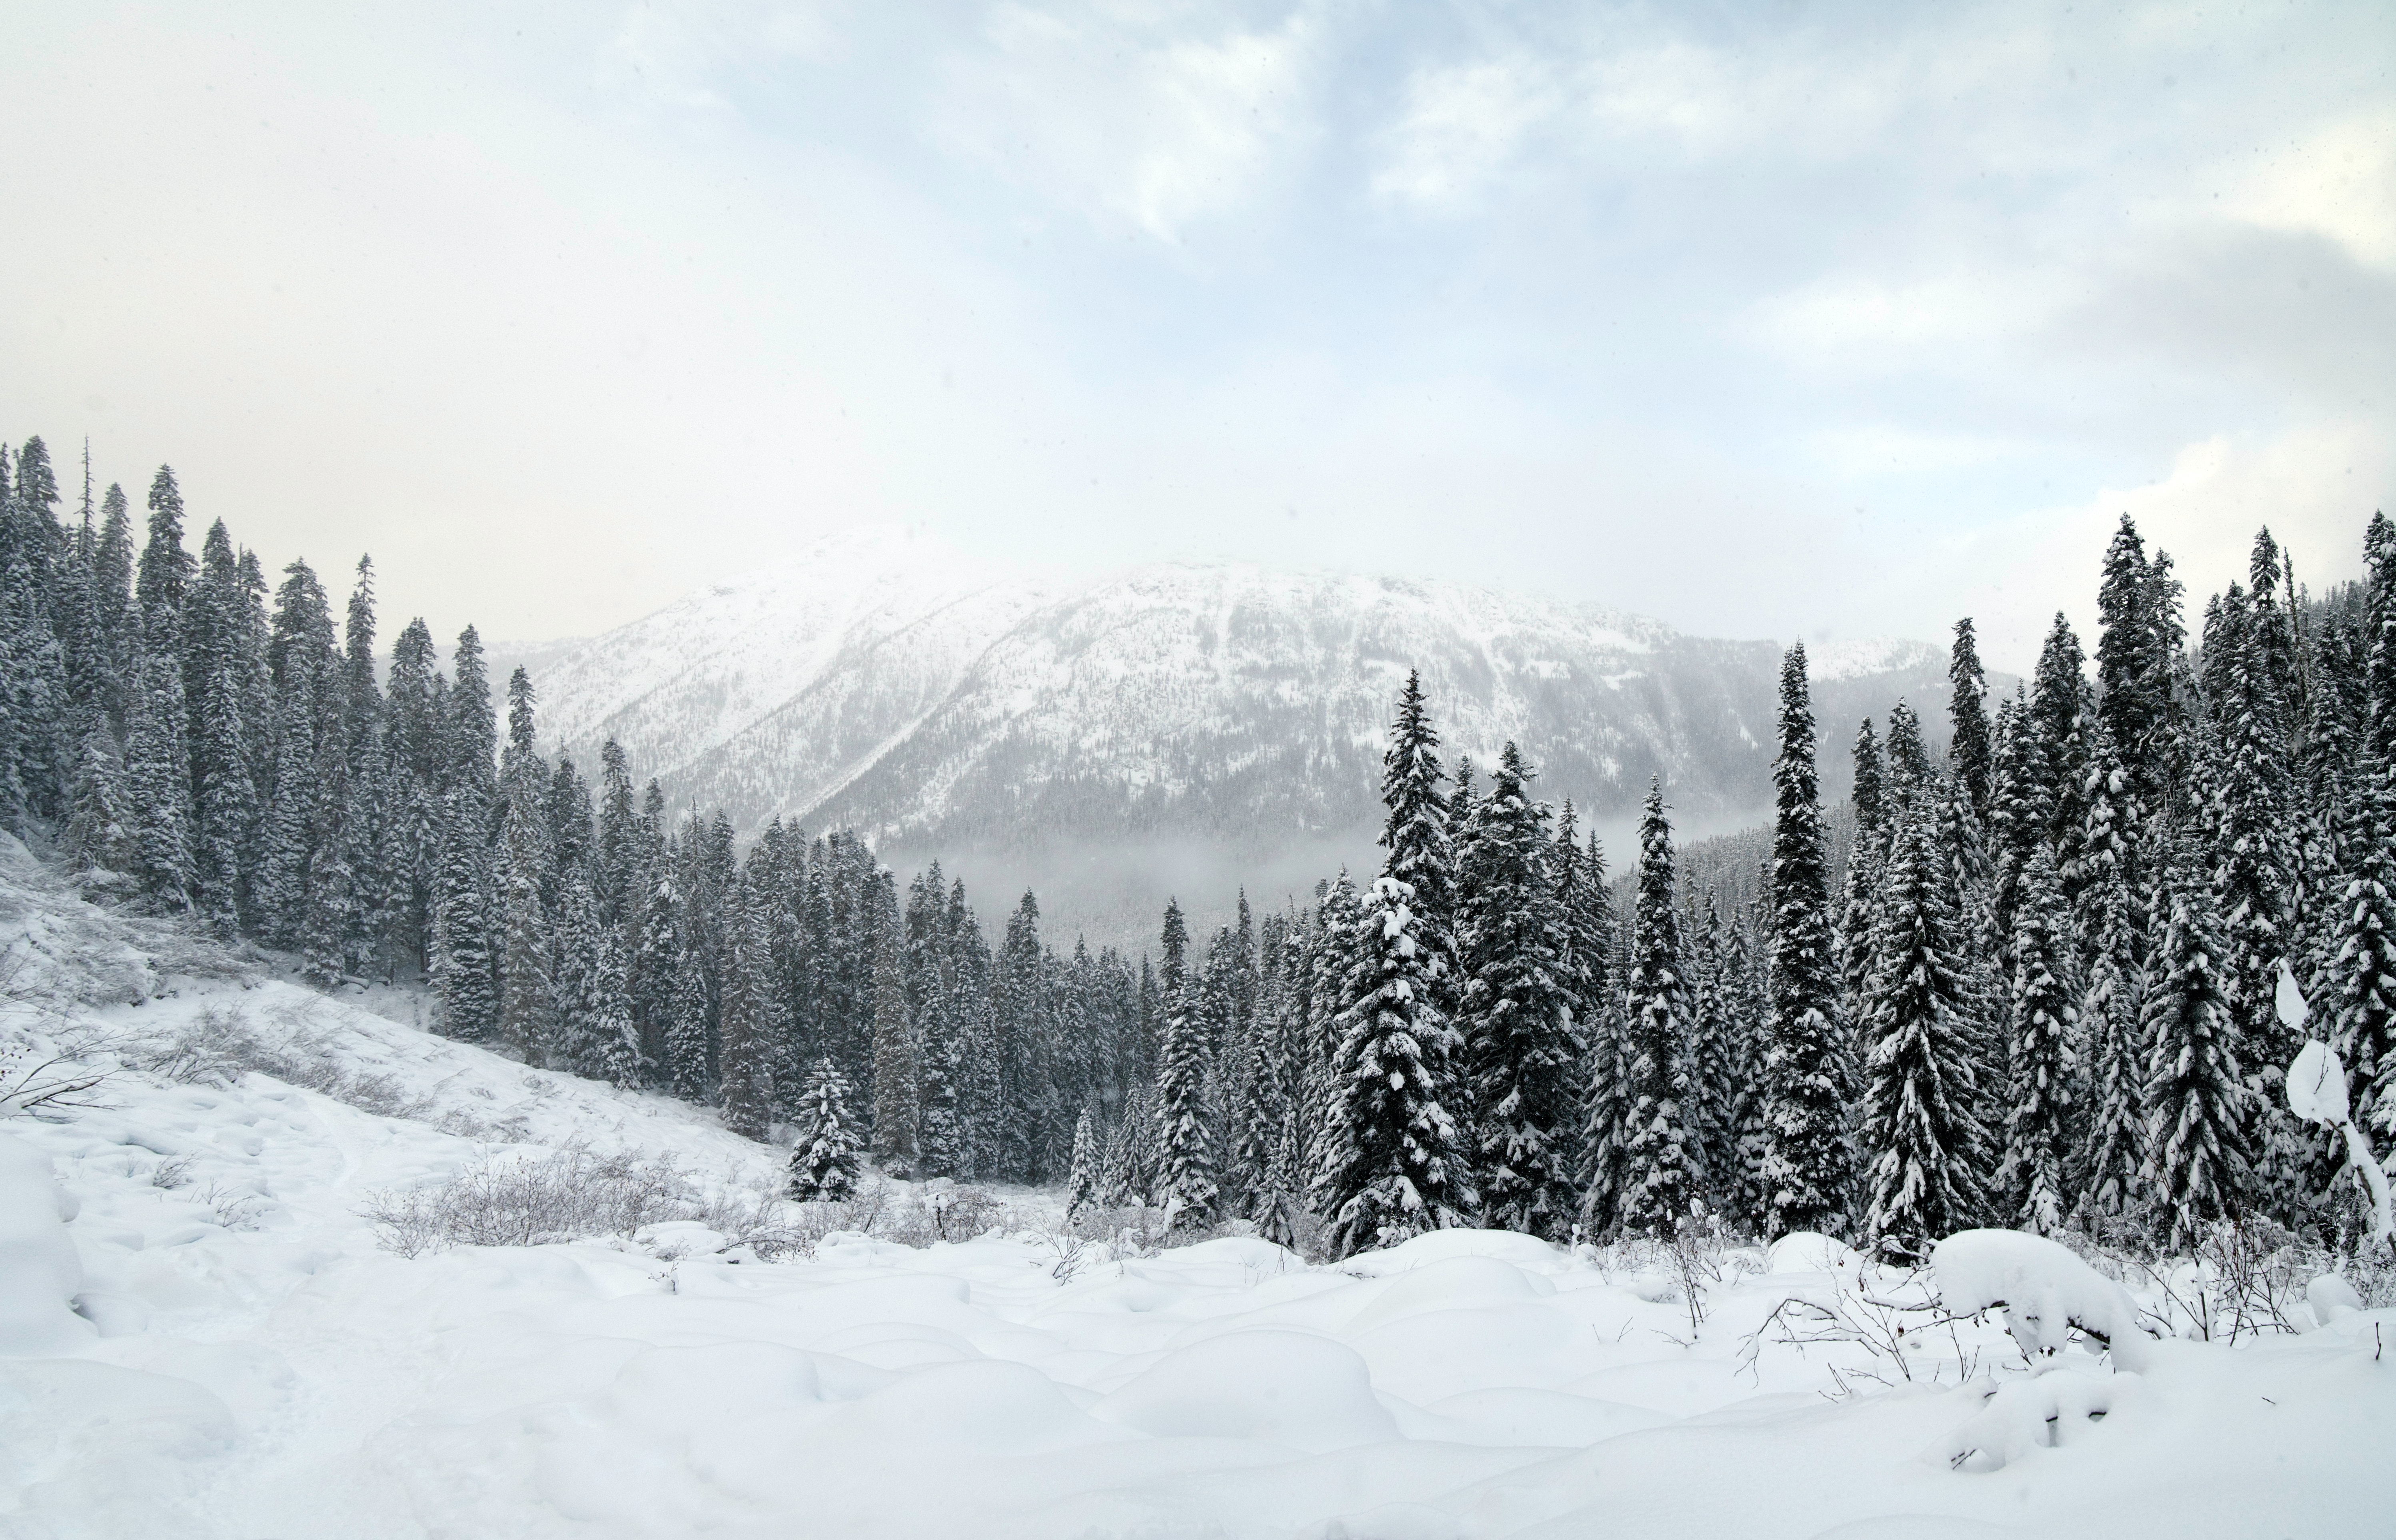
<point>1113,737</point>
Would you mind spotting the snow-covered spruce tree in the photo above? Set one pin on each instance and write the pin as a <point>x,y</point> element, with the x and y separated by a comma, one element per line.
<point>1657,1183</point>
<point>1746,1193</point>
<point>944,1143</point>
<point>2361,973</point>
<point>1982,1008</point>
<point>1522,1054</point>
<point>2132,654</point>
<point>2061,715</point>
<point>2044,1032</point>
<point>528,967</point>
<point>1927,1156</point>
<point>745,1088</point>
<point>2112,1142</point>
<point>1394,1164</point>
<point>1415,833</point>
<point>1858,904</point>
<point>1187,1177</point>
<point>2198,1154</point>
<point>825,1155</point>
<point>689,1067</point>
<point>157,781</point>
<point>1331,955</point>
<point>897,1112</point>
<point>98,835</point>
<point>1807,1069</point>
<point>1714,1070</point>
<point>279,880</point>
<point>1082,1173</point>
<point>2018,811</point>
<point>464,979</point>
<point>2249,832</point>
<point>1969,751</point>
<point>650,961</point>
<point>1909,770</point>
<point>579,989</point>
<point>225,803</point>
<point>331,914</point>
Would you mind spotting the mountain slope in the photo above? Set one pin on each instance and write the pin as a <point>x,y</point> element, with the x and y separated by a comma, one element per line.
<point>1173,726</point>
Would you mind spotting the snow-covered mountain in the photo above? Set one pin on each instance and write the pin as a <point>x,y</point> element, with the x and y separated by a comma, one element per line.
<point>1172,726</point>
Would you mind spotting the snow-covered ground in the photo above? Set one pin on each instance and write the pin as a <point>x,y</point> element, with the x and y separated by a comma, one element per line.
<point>244,1360</point>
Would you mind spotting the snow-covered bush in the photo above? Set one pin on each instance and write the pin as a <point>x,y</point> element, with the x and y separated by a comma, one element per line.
<point>2045,1291</point>
<point>502,1199</point>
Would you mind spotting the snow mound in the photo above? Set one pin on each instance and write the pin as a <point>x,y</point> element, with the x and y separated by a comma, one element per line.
<point>40,1274</point>
<point>1457,1284</point>
<point>1282,1388</point>
<point>1522,1251</point>
<point>1808,1251</point>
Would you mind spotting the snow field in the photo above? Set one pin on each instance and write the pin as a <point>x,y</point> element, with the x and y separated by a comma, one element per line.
<point>244,1360</point>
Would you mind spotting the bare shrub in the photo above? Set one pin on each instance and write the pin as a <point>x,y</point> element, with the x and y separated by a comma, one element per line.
<point>218,1045</point>
<point>43,1075</point>
<point>503,1200</point>
<point>234,1209</point>
<point>1892,1313</point>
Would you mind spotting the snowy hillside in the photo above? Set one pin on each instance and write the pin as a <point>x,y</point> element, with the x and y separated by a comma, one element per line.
<point>1109,738</point>
<point>200,1334</point>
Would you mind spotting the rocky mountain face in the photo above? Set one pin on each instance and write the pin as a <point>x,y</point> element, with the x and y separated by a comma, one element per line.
<point>1173,728</point>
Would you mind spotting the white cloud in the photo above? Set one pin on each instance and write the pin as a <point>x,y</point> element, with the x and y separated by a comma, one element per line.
<point>1461,124</point>
<point>1148,119</point>
<point>2338,182</point>
<point>675,53</point>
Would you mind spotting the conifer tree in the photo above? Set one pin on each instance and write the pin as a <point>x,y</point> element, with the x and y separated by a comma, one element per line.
<point>2018,814</point>
<point>825,1156</point>
<point>165,569</point>
<point>1082,1173</point>
<point>99,835</point>
<point>1188,1177</point>
<point>2199,1118</point>
<point>329,910</point>
<point>897,1112</point>
<point>1522,1055</point>
<point>1659,1183</point>
<point>527,964</point>
<point>225,803</point>
<point>745,1090</point>
<point>1807,1068</point>
<point>1928,1155</point>
<point>2044,1034</point>
<point>464,978</point>
<point>2362,973</point>
<point>651,978</point>
<point>112,603</point>
<point>579,1002</point>
<point>1714,1038</point>
<point>1746,1191</point>
<point>2112,1142</point>
<point>1909,770</point>
<point>1394,1164</point>
<point>2132,680</point>
<point>690,1073</point>
<point>2248,829</point>
<point>157,781</point>
<point>1968,749</point>
<point>2061,716</point>
<point>1415,833</point>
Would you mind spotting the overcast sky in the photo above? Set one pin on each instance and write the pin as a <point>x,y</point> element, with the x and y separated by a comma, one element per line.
<point>1766,320</point>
